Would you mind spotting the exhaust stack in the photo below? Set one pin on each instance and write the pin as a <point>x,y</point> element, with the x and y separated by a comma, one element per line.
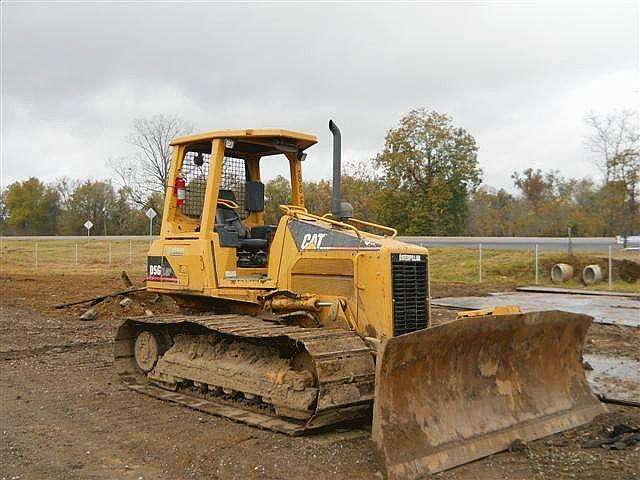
<point>336,209</point>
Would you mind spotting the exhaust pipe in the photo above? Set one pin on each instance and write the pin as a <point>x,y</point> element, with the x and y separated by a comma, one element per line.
<point>336,209</point>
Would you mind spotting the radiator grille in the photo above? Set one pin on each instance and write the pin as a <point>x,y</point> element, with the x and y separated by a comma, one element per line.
<point>409,275</point>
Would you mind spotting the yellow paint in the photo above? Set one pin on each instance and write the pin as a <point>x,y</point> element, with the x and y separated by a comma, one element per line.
<point>304,140</point>
<point>356,282</point>
<point>497,310</point>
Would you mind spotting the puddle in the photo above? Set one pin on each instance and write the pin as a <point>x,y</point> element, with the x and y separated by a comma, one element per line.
<point>616,377</point>
<point>620,367</point>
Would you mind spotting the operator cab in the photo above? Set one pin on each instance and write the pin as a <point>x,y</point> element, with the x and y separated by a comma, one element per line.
<point>229,179</point>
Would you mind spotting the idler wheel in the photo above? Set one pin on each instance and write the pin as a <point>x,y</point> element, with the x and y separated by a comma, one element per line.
<point>147,351</point>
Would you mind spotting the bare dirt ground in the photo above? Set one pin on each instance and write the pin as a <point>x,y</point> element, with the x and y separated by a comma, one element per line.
<point>64,414</point>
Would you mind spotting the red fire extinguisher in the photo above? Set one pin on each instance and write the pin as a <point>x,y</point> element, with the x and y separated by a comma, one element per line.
<point>180,191</point>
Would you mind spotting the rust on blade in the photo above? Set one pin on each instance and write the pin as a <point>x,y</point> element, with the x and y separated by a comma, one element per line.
<point>468,388</point>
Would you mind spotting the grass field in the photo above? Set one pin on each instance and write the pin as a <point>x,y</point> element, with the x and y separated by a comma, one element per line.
<point>447,264</point>
<point>60,256</point>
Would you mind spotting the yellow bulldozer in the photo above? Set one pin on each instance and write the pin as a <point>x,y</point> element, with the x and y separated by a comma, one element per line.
<point>323,319</point>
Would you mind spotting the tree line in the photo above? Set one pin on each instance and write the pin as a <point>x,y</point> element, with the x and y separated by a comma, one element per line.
<point>425,181</point>
<point>32,207</point>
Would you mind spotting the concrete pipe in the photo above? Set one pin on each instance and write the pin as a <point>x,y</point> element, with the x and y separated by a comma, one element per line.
<point>561,272</point>
<point>592,274</point>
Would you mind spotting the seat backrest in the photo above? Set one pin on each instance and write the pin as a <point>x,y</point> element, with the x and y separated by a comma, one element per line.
<point>225,194</point>
<point>228,216</point>
<point>254,196</point>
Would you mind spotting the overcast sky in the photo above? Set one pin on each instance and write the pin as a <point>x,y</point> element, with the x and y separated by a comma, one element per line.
<point>519,76</point>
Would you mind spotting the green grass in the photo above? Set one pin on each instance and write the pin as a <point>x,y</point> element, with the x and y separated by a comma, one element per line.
<point>511,266</point>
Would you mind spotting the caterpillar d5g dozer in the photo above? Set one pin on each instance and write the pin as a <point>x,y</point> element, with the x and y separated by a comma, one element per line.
<point>323,319</point>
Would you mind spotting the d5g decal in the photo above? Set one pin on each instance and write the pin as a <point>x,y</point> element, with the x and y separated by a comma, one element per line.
<point>159,270</point>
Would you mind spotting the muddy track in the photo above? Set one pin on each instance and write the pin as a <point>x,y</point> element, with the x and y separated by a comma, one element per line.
<point>342,361</point>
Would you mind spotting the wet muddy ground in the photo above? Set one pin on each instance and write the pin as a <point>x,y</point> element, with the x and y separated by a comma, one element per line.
<point>64,415</point>
<point>608,310</point>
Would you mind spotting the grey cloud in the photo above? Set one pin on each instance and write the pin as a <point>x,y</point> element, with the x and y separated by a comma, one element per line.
<point>75,75</point>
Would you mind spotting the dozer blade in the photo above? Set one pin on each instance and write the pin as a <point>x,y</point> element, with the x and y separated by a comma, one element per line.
<point>468,388</point>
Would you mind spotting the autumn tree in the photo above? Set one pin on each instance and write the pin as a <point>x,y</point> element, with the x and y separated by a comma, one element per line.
<point>547,202</point>
<point>532,184</point>
<point>612,198</point>
<point>90,200</point>
<point>493,212</point>
<point>32,208</point>
<point>428,169</point>
<point>277,192</point>
<point>362,188</point>
<point>317,196</point>
<point>111,211</point>
<point>588,216</point>
<point>625,168</point>
<point>358,188</point>
<point>126,218</point>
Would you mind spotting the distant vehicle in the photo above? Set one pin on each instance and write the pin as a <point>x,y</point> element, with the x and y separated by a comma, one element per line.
<point>629,242</point>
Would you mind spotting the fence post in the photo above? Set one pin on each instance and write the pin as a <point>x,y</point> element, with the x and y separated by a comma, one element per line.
<point>76,253</point>
<point>536,254</point>
<point>130,251</point>
<point>610,270</point>
<point>35,254</point>
<point>109,253</point>
<point>480,262</point>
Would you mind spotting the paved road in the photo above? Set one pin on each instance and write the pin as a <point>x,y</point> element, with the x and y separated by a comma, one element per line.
<point>519,243</point>
<point>512,243</point>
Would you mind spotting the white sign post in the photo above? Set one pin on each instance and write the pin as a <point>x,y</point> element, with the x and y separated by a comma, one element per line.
<point>151,214</point>
<point>88,224</point>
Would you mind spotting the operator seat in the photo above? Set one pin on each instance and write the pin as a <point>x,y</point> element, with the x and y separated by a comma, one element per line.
<point>232,231</point>
<point>227,216</point>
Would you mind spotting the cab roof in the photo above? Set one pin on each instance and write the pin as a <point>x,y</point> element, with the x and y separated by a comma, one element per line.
<point>261,142</point>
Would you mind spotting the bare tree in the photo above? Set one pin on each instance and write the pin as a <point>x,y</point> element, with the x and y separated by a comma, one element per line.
<point>147,171</point>
<point>65,187</point>
<point>129,175</point>
<point>611,136</point>
<point>616,138</point>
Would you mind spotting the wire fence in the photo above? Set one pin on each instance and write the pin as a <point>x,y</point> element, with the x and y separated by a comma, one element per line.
<point>73,255</point>
<point>530,264</point>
